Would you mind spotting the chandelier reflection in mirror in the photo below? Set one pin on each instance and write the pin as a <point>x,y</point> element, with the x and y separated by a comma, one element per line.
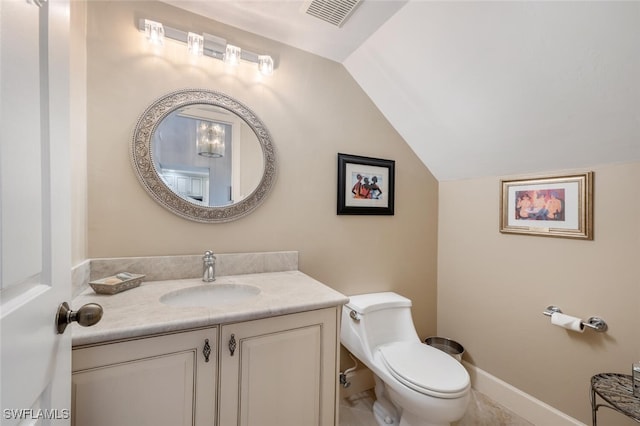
<point>210,139</point>
<point>205,44</point>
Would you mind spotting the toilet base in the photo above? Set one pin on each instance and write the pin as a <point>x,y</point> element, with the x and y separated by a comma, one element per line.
<point>388,413</point>
<point>385,413</point>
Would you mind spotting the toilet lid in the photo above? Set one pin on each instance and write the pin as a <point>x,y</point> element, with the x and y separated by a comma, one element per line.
<point>425,369</point>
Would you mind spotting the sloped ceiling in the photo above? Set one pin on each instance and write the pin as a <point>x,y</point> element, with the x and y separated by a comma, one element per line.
<point>494,88</point>
<point>484,88</point>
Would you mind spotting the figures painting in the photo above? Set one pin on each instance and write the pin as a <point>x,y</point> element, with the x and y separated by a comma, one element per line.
<point>366,187</point>
<point>543,204</point>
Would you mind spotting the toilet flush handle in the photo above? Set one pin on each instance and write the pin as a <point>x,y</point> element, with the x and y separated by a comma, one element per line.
<point>354,315</point>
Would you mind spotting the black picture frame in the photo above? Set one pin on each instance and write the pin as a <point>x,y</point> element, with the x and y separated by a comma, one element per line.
<point>366,186</point>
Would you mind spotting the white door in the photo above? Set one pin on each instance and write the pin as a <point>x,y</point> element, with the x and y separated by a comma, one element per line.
<point>35,252</point>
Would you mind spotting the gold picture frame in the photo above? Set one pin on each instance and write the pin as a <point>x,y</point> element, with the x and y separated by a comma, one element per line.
<point>555,206</point>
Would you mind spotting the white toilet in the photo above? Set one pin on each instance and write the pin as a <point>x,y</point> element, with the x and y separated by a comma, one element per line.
<point>416,384</point>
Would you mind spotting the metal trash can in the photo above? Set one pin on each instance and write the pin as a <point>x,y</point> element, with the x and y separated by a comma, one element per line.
<point>449,346</point>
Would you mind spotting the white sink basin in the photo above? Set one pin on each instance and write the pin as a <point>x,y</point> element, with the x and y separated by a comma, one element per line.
<point>210,295</point>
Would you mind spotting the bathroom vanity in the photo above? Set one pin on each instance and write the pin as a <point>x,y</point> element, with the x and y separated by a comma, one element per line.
<point>265,357</point>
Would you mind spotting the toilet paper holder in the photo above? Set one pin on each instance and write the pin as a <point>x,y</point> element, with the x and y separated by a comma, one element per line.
<point>595,323</point>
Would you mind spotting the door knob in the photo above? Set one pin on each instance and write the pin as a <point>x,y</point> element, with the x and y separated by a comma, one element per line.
<point>86,316</point>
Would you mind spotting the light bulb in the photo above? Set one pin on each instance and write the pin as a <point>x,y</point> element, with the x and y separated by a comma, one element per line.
<point>232,54</point>
<point>265,64</point>
<point>154,32</point>
<point>195,44</point>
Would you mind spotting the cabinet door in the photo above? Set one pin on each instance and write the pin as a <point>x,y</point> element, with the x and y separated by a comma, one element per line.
<point>282,373</point>
<point>156,381</point>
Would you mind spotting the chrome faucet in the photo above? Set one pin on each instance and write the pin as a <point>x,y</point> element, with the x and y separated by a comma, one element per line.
<point>208,267</point>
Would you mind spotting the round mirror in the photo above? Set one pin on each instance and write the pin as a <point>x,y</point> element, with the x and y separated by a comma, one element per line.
<point>203,155</point>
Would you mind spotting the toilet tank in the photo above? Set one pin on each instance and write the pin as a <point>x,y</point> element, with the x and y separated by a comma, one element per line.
<point>370,320</point>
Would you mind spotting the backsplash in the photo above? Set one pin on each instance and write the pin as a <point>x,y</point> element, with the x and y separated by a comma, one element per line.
<point>80,277</point>
<point>160,268</point>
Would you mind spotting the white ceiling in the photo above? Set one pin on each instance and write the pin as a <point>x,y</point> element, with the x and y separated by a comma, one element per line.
<point>481,88</point>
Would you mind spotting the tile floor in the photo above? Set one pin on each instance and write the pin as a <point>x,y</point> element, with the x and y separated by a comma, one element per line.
<point>356,411</point>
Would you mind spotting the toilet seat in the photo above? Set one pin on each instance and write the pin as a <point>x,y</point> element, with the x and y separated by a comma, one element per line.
<point>425,369</point>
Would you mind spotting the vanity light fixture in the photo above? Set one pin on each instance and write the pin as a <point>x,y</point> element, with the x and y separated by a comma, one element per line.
<point>205,44</point>
<point>210,139</point>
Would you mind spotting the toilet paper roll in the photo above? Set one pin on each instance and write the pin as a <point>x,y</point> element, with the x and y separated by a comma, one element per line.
<point>567,321</point>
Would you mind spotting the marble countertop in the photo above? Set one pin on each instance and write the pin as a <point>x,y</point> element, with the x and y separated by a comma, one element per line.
<point>139,312</point>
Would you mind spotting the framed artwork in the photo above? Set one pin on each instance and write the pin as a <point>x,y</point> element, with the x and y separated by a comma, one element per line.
<point>557,206</point>
<point>365,185</point>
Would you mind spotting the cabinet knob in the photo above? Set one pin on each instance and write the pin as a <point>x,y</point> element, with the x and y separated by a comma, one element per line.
<point>206,351</point>
<point>232,344</point>
<point>86,316</point>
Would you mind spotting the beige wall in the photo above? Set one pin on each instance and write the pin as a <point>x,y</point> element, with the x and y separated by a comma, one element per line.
<point>313,109</point>
<point>493,287</point>
<point>78,131</point>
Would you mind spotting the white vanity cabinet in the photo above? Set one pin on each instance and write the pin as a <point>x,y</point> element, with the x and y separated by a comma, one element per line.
<point>166,380</point>
<point>276,371</point>
<point>279,371</point>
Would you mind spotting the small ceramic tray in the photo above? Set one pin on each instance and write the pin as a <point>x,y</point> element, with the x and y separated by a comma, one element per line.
<point>117,283</point>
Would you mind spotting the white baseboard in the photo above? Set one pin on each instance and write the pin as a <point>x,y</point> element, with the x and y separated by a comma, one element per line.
<point>521,403</point>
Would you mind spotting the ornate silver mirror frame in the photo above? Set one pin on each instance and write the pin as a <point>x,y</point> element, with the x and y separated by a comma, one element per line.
<point>143,164</point>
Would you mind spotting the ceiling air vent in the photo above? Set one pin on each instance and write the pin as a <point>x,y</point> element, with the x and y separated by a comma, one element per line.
<point>334,12</point>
